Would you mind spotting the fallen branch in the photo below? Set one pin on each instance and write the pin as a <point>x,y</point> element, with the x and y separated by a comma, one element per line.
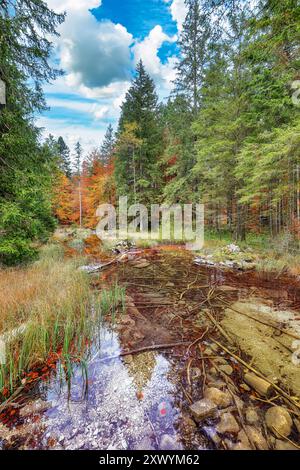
<point>141,350</point>
<point>248,366</point>
<point>216,324</point>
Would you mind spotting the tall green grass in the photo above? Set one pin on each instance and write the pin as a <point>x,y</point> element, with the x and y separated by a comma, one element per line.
<point>53,299</point>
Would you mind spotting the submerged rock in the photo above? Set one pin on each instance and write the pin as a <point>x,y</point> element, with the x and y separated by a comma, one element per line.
<point>228,370</point>
<point>218,397</point>
<point>279,419</point>
<point>251,416</point>
<point>228,423</point>
<point>203,409</point>
<point>257,438</point>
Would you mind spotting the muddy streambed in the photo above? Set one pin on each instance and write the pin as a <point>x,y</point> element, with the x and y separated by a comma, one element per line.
<point>171,371</point>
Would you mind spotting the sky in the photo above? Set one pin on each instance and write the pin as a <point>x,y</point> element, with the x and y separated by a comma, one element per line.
<point>100,43</point>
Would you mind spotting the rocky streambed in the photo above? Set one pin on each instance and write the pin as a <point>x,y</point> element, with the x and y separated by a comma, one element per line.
<point>201,359</point>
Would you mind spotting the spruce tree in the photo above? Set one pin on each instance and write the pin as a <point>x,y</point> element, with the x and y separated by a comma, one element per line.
<point>65,158</point>
<point>193,53</point>
<point>27,167</point>
<point>108,145</point>
<point>140,109</point>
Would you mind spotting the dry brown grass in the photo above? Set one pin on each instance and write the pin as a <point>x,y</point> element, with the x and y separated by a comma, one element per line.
<point>42,291</point>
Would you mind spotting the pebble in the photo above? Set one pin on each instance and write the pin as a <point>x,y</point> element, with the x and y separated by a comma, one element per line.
<point>228,423</point>
<point>279,418</point>
<point>203,409</point>
<point>128,359</point>
<point>251,416</point>
<point>228,370</point>
<point>257,438</point>
<point>218,397</point>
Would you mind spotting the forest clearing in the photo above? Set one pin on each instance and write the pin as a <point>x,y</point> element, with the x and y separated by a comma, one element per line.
<point>149,226</point>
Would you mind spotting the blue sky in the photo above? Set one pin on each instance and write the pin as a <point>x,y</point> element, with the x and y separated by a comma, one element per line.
<point>99,46</point>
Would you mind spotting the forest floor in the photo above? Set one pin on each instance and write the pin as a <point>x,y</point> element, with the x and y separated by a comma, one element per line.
<point>202,355</point>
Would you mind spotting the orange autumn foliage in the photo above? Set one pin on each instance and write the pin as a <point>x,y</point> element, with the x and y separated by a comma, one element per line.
<point>96,186</point>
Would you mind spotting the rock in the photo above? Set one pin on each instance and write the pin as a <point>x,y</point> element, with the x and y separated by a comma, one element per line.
<point>243,441</point>
<point>203,409</point>
<point>251,416</point>
<point>278,418</point>
<point>283,445</point>
<point>169,443</point>
<point>212,434</point>
<point>170,284</point>
<point>257,438</point>
<point>228,423</point>
<point>245,387</point>
<point>233,248</point>
<point>128,359</point>
<point>34,407</point>
<point>218,397</point>
<point>228,370</point>
<point>213,371</point>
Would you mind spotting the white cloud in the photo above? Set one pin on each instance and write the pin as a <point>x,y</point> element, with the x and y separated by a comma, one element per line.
<point>90,137</point>
<point>147,50</point>
<point>178,10</point>
<point>98,58</point>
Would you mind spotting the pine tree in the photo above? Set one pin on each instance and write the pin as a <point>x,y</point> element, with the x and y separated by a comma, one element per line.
<point>78,169</point>
<point>193,53</point>
<point>27,167</point>
<point>65,159</point>
<point>108,145</point>
<point>78,158</point>
<point>140,109</point>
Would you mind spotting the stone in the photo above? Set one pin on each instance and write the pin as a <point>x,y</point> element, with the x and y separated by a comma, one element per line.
<point>218,397</point>
<point>243,441</point>
<point>128,359</point>
<point>228,423</point>
<point>203,409</point>
<point>170,284</point>
<point>278,418</point>
<point>245,387</point>
<point>257,438</point>
<point>251,416</point>
<point>228,370</point>
<point>283,445</point>
<point>34,407</point>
